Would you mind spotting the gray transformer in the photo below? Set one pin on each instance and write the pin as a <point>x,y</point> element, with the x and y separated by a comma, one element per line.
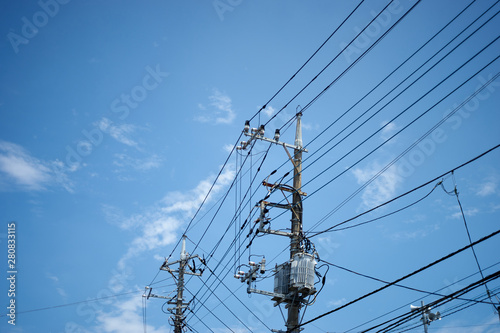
<point>295,275</point>
<point>302,273</point>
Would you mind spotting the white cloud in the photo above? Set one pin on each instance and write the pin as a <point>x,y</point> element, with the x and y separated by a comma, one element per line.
<point>126,317</point>
<point>144,164</point>
<point>382,188</point>
<point>268,111</point>
<point>457,326</point>
<point>467,212</point>
<point>221,111</point>
<point>228,148</point>
<point>388,130</point>
<point>157,227</point>
<point>120,133</point>
<point>26,172</point>
<point>488,187</point>
<point>336,302</point>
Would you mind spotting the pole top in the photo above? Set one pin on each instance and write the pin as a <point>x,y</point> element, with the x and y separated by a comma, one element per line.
<point>298,131</point>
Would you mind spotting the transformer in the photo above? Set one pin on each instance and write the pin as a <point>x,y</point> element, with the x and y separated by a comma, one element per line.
<point>302,272</point>
<point>282,279</point>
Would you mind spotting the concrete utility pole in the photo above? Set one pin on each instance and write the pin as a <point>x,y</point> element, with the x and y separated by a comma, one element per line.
<point>294,279</point>
<point>427,315</point>
<point>179,316</point>
<point>178,301</point>
<point>293,310</point>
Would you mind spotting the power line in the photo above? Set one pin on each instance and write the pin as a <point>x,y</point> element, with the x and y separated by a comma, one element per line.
<point>403,278</point>
<point>400,285</point>
<point>410,191</point>
<point>301,67</point>
<point>411,84</point>
<point>353,64</point>
<point>448,298</point>
<point>408,304</point>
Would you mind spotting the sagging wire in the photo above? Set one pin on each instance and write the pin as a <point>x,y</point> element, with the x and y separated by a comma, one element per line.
<point>455,193</point>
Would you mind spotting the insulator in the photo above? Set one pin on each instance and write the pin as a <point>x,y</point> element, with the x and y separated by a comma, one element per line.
<point>277,135</point>
<point>251,263</point>
<point>261,130</point>
<point>247,126</point>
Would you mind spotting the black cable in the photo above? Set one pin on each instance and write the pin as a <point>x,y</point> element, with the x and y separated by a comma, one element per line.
<point>408,304</point>
<point>207,195</point>
<point>472,247</point>
<point>404,277</point>
<point>301,67</point>
<point>335,58</point>
<point>220,301</point>
<point>194,314</point>
<point>359,58</point>
<point>395,70</point>
<point>440,301</point>
<point>401,285</point>
<point>410,191</point>
<point>323,219</point>
<point>389,75</point>
<point>210,311</point>
<point>442,58</point>
<point>386,215</point>
<point>233,294</point>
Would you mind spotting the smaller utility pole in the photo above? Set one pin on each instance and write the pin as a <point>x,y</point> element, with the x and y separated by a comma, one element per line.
<point>427,315</point>
<point>178,301</point>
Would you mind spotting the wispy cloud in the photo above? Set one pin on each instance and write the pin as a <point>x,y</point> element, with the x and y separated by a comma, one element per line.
<point>56,283</point>
<point>20,170</point>
<point>382,188</point>
<point>140,164</point>
<point>467,212</point>
<point>388,130</point>
<point>121,133</point>
<point>336,302</point>
<point>157,226</point>
<point>125,317</point>
<point>488,187</point>
<point>220,110</point>
<point>268,111</point>
<point>457,326</point>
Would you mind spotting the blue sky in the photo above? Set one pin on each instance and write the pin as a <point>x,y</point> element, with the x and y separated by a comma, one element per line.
<point>116,118</point>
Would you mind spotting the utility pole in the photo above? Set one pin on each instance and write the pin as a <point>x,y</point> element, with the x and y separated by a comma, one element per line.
<point>180,305</point>
<point>293,310</point>
<point>294,279</point>
<point>427,315</point>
